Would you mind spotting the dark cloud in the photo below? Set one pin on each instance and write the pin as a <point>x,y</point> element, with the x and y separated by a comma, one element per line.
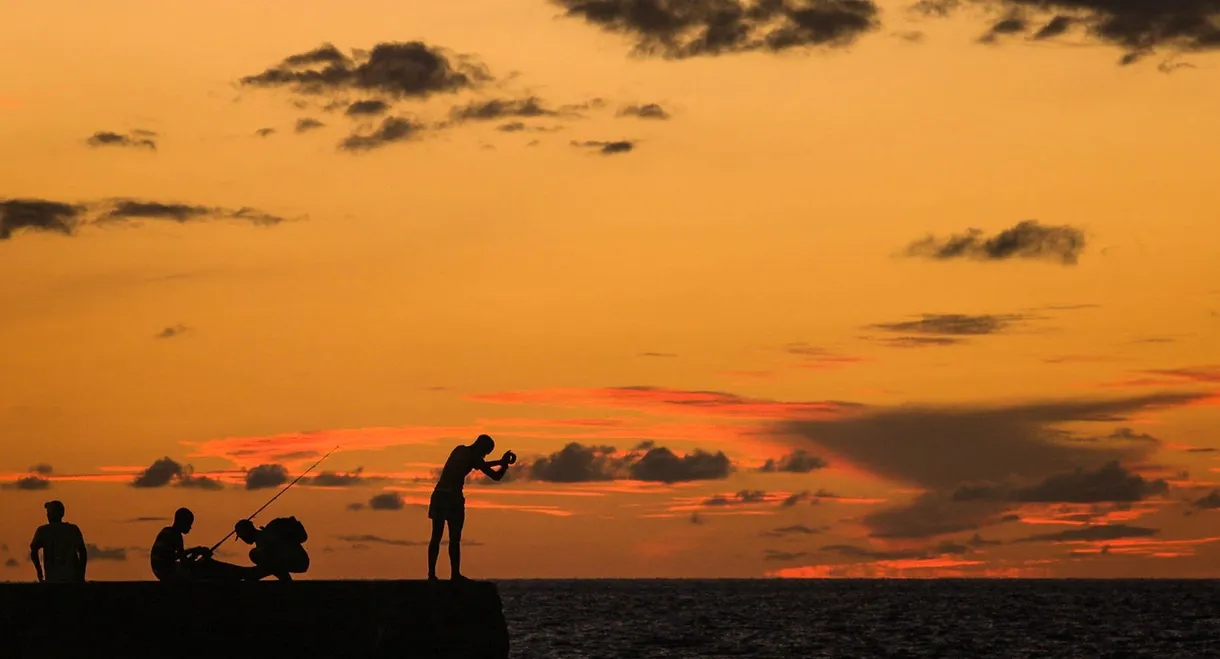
<point>106,138</point>
<point>658,354</point>
<point>396,70</point>
<point>1137,27</point>
<point>392,129</point>
<point>779,555</point>
<point>42,469</point>
<point>1209,502</point>
<point>367,107</point>
<point>646,111</point>
<point>954,324</point>
<point>265,476</point>
<point>577,463</point>
<point>1109,483</point>
<point>606,148</point>
<point>167,471</point>
<point>921,341</point>
<point>332,479</point>
<point>851,551</point>
<point>355,506</point>
<point>1027,240</point>
<point>932,514</point>
<point>172,331</point>
<point>741,497</point>
<point>799,461</point>
<point>265,132</point>
<point>31,482</point>
<point>12,562</point>
<point>1093,534</point>
<point>678,29</point>
<point>127,209</point>
<point>306,124</point>
<point>38,215</point>
<point>500,109</point>
<point>794,498</point>
<point>383,541</point>
<point>662,465</point>
<point>387,501</point>
<point>795,529</point>
<point>97,553</point>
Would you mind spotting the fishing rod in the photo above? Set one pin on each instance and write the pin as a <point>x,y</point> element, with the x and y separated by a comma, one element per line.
<point>294,482</point>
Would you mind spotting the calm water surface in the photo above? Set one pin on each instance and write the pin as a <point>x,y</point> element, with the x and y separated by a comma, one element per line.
<point>632,619</point>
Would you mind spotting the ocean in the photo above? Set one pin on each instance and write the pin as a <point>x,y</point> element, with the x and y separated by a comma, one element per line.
<point>976,619</point>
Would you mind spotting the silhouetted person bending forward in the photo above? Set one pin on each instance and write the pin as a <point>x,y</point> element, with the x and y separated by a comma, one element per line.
<point>63,548</point>
<point>448,504</point>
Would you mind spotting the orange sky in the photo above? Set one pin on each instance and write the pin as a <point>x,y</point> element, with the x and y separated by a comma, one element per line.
<point>758,267</point>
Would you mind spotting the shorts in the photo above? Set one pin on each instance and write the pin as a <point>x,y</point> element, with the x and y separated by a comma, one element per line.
<point>448,506</point>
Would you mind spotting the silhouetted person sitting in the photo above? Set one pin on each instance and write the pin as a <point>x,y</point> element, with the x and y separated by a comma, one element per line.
<point>278,547</point>
<point>448,504</point>
<point>63,548</point>
<point>172,562</point>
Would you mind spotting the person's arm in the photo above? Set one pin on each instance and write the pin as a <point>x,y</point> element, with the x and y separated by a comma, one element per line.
<point>35,545</point>
<point>82,553</point>
<point>488,468</point>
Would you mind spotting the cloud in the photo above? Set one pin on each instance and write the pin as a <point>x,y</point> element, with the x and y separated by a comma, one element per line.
<point>306,124</point>
<point>665,355</point>
<point>123,210</point>
<point>500,109</point>
<point>741,497</point>
<point>794,498</point>
<point>11,562</point>
<point>38,215</point>
<point>1137,27</point>
<point>922,341</point>
<point>367,107</point>
<point>380,540</point>
<point>387,501</point>
<point>646,111</point>
<point>1109,483</point>
<point>29,483</point>
<point>265,476</point>
<point>355,506</point>
<point>396,70</point>
<point>42,469</point>
<point>172,331</point>
<point>106,553</point>
<point>265,132</point>
<point>694,28</point>
<point>332,479</point>
<point>1093,534</point>
<point>671,401</point>
<point>932,514</point>
<point>779,555</point>
<point>1028,240</point>
<point>607,148</point>
<point>166,471</point>
<point>106,138</point>
<point>953,324</point>
<point>391,130</point>
<point>1209,502</point>
<point>795,529</point>
<point>577,463</point>
<point>796,462</point>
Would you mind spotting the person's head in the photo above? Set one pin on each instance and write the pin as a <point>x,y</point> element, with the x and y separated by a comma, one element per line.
<point>183,519</point>
<point>55,511</point>
<point>245,531</point>
<point>484,445</point>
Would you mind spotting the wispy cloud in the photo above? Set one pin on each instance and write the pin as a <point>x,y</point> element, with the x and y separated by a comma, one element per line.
<point>1028,240</point>
<point>141,140</point>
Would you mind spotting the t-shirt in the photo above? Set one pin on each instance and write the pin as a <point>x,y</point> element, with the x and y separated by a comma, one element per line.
<point>59,542</point>
<point>166,550</point>
<point>460,463</point>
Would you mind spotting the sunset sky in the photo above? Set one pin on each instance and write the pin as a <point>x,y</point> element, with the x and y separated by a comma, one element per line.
<point>821,288</point>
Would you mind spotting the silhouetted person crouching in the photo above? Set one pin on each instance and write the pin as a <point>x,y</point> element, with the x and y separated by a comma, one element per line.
<point>278,547</point>
<point>171,561</point>
<point>448,504</point>
<point>64,556</point>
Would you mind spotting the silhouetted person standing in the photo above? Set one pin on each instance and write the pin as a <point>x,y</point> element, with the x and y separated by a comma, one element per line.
<point>448,504</point>
<point>171,561</point>
<point>63,548</point>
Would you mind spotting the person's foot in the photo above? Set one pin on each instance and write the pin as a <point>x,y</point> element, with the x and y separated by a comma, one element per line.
<point>432,577</point>
<point>459,577</point>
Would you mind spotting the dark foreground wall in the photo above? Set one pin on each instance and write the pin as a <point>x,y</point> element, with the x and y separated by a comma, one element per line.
<point>297,620</point>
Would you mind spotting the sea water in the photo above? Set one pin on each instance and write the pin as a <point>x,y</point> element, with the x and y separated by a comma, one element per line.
<point>975,619</point>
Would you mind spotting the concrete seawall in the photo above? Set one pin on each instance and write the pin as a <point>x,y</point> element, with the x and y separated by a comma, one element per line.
<point>300,619</point>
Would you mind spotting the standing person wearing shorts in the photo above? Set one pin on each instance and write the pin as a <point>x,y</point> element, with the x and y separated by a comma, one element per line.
<point>448,504</point>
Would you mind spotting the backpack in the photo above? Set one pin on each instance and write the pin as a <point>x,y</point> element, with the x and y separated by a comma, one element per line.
<point>287,528</point>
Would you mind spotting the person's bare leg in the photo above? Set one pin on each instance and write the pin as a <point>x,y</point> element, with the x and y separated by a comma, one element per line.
<point>455,548</point>
<point>434,546</point>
